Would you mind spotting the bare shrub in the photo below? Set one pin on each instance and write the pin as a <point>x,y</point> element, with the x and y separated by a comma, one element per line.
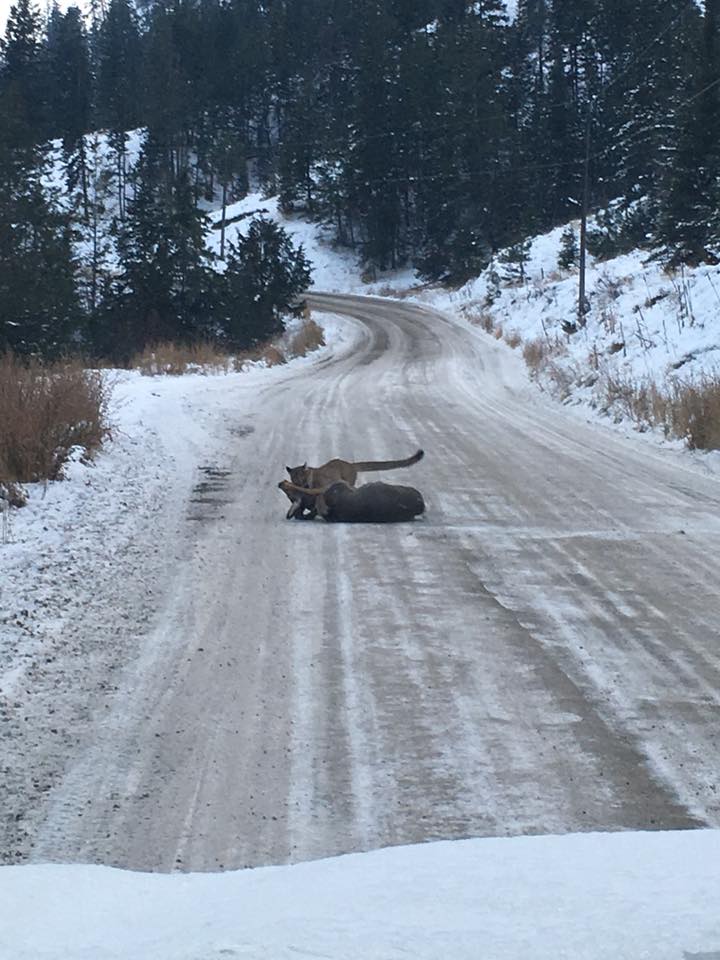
<point>610,288</point>
<point>273,356</point>
<point>696,412</point>
<point>479,318</point>
<point>641,401</point>
<point>46,410</point>
<point>687,410</point>
<point>513,339</point>
<point>498,332</point>
<point>309,337</point>
<point>175,359</point>
<point>540,353</point>
<point>560,379</point>
<point>534,355</point>
<point>651,301</point>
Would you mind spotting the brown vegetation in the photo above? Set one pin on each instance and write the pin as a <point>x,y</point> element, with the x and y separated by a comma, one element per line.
<point>688,410</point>
<point>175,359</point>
<point>309,337</point>
<point>45,411</point>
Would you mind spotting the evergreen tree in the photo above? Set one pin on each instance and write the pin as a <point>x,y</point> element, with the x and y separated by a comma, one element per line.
<point>265,276</point>
<point>96,259</point>
<point>167,289</point>
<point>515,259</point>
<point>569,250</point>
<point>690,199</point>
<point>21,78</point>
<point>69,70</point>
<point>648,48</point>
<point>39,311</point>
<point>118,91</point>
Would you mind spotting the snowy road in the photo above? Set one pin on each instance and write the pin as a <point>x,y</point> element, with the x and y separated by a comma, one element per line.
<point>541,653</point>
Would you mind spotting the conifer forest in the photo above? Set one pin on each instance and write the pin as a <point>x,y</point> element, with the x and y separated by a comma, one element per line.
<point>433,133</point>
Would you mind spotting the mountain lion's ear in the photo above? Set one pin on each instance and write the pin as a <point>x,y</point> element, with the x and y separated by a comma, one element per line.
<point>289,470</point>
<point>305,465</point>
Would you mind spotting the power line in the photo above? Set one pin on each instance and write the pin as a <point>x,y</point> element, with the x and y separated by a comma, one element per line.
<point>695,96</point>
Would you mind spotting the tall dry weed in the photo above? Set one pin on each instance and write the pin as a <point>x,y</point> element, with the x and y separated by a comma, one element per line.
<point>686,410</point>
<point>174,359</point>
<point>45,411</point>
<point>309,337</point>
<point>696,412</point>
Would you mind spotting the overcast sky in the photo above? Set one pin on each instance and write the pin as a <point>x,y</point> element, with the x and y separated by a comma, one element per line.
<point>6,4</point>
<point>42,4</point>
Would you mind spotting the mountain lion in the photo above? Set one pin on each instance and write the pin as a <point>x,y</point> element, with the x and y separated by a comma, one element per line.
<point>347,470</point>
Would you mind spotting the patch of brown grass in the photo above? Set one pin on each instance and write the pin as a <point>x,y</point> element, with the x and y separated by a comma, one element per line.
<point>45,411</point>
<point>483,320</point>
<point>309,337</point>
<point>696,413</point>
<point>272,355</point>
<point>687,410</point>
<point>513,339</point>
<point>542,351</point>
<point>535,354</point>
<point>175,359</point>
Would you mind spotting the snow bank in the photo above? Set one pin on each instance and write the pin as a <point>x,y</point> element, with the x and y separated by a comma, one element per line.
<point>594,896</point>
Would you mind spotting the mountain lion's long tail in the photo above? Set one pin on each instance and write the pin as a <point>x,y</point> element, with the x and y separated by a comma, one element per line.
<point>364,466</point>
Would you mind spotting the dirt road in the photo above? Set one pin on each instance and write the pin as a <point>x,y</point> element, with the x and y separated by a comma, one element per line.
<point>541,653</point>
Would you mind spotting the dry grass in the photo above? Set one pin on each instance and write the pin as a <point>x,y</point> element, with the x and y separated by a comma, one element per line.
<point>542,352</point>
<point>309,337</point>
<point>535,355</point>
<point>687,410</point>
<point>696,413</point>
<point>175,359</point>
<point>483,320</point>
<point>272,355</point>
<point>45,411</point>
<point>513,339</point>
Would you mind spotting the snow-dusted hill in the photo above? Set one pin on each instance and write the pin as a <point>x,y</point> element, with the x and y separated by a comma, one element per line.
<point>649,330</point>
<point>644,320</point>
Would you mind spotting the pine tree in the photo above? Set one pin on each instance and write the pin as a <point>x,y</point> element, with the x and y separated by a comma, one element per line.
<point>21,80</point>
<point>647,46</point>
<point>569,250</point>
<point>69,69</point>
<point>265,275</point>
<point>515,258</point>
<point>690,199</point>
<point>227,157</point>
<point>167,289</point>
<point>118,90</point>
<point>39,311</point>
<point>96,256</point>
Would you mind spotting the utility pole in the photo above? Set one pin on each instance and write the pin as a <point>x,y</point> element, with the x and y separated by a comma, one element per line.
<point>582,301</point>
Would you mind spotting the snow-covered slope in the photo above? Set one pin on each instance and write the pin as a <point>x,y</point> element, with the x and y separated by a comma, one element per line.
<point>584,897</point>
<point>648,327</point>
<point>334,269</point>
<point>644,320</point>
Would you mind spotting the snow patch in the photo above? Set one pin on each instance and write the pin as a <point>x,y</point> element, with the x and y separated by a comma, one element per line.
<point>586,897</point>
